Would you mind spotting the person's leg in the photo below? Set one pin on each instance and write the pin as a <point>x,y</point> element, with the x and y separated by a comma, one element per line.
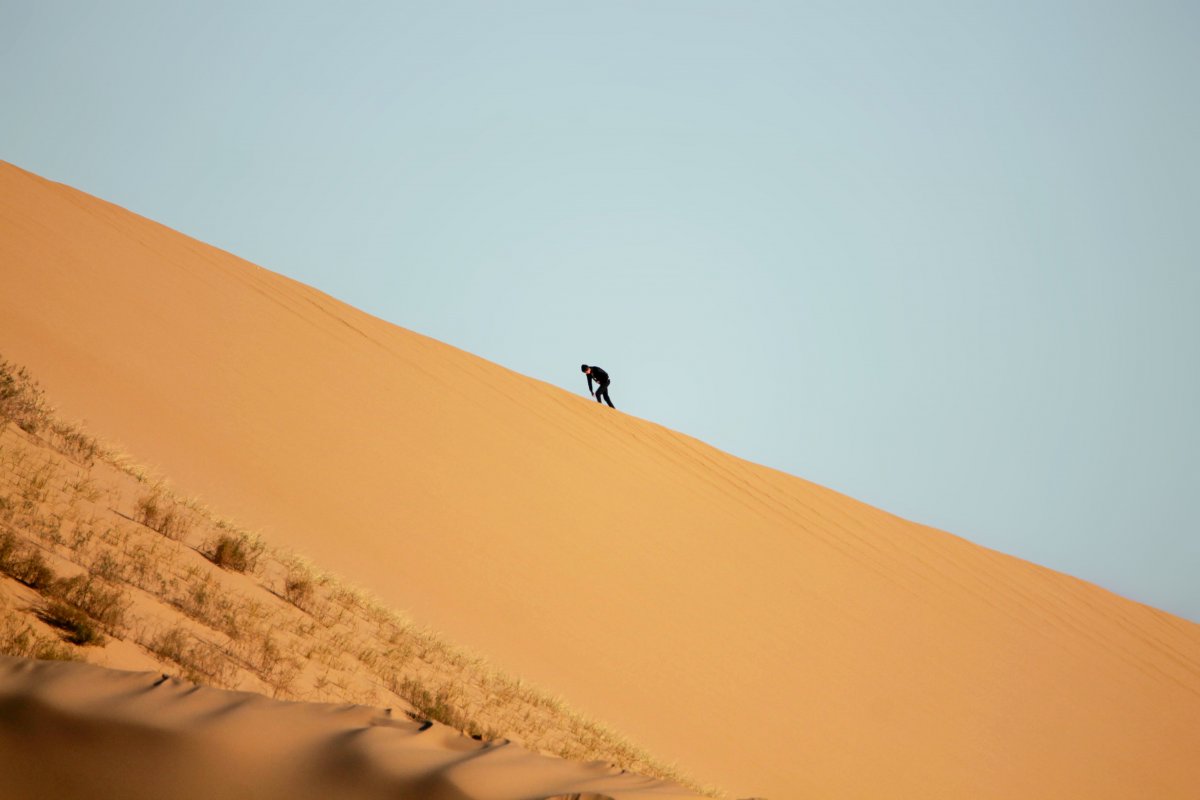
<point>607,399</point>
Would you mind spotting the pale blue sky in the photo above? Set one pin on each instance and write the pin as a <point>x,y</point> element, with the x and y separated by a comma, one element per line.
<point>941,256</point>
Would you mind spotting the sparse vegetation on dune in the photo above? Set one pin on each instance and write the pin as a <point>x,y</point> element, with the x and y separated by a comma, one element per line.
<point>233,550</point>
<point>158,511</point>
<point>94,551</point>
<point>19,638</point>
<point>77,626</point>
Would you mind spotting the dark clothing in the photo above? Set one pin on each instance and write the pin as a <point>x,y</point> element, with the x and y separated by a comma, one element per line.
<point>603,392</point>
<point>602,381</point>
<point>598,375</point>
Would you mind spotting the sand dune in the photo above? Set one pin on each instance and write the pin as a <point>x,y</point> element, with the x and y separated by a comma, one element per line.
<point>76,730</point>
<point>775,637</point>
<point>100,562</point>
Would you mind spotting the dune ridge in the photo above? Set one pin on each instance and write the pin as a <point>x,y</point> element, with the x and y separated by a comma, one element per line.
<point>845,651</point>
<point>77,730</point>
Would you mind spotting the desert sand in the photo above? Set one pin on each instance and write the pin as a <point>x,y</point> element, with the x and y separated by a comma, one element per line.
<point>772,636</point>
<point>76,730</point>
<point>101,562</point>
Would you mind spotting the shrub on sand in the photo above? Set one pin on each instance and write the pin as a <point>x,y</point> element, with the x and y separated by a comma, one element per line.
<point>97,599</point>
<point>21,400</point>
<point>298,589</point>
<point>159,512</point>
<point>234,551</point>
<point>77,627</point>
<point>201,662</point>
<point>24,563</point>
<point>19,639</point>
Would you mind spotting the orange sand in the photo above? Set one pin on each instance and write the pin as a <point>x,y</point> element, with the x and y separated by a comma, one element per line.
<point>74,730</point>
<point>774,637</point>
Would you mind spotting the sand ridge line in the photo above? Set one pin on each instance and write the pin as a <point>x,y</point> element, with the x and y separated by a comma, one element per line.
<point>142,731</point>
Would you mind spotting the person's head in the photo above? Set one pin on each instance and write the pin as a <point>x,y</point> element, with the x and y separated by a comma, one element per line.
<point>584,368</point>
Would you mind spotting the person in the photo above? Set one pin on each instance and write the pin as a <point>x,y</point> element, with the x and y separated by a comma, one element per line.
<point>602,381</point>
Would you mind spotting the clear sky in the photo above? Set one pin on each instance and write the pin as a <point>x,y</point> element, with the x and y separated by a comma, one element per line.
<point>942,256</point>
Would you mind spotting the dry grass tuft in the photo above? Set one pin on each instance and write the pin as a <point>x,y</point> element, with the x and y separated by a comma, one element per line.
<point>445,704</point>
<point>233,550</point>
<point>299,589</point>
<point>18,638</point>
<point>77,627</point>
<point>23,402</point>
<point>75,444</point>
<point>99,600</point>
<point>159,512</point>
<point>25,563</point>
<point>200,660</point>
<point>21,399</point>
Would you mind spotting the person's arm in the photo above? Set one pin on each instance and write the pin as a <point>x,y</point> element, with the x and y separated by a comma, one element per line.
<point>590,390</point>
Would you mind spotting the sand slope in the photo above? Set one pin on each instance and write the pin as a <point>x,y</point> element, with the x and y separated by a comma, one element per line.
<point>773,636</point>
<point>75,730</point>
<point>100,563</point>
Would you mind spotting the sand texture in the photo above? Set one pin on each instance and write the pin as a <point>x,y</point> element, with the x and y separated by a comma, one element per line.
<point>77,730</point>
<point>100,562</point>
<point>772,636</point>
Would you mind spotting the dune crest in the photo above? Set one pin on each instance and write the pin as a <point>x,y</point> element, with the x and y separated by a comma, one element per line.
<point>76,730</point>
<point>654,580</point>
